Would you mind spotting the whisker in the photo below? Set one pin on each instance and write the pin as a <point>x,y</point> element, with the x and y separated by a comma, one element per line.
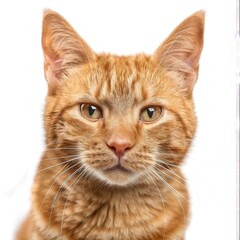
<point>169,154</point>
<point>163,180</point>
<point>167,163</point>
<point>163,204</point>
<point>83,171</point>
<point>59,174</point>
<point>172,172</point>
<point>56,196</point>
<point>173,191</point>
<point>62,148</point>
<point>65,205</point>
<point>60,157</point>
<point>58,164</point>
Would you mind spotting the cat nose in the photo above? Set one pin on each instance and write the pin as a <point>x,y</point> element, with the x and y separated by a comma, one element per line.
<point>119,144</point>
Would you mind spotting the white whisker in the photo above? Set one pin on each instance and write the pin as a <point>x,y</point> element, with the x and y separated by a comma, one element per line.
<point>166,163</point>
<point>173,191</point>
<point>163,204</point>
<point>66,180</point>
<point>65,205</point>
<point>58,164</point>
<point>172,172</point>
<point>163,180</point>
<point>59,157</point>
<point>61,148</point>
<point>169,176</point>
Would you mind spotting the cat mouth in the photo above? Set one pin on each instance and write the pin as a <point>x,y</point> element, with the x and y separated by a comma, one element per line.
<point>118,175</point>
<point>118,168</point>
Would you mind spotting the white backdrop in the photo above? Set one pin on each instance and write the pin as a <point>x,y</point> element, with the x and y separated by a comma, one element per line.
<point>122,27</point>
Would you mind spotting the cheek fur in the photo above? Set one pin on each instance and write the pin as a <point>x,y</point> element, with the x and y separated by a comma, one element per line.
<point>171,141</point>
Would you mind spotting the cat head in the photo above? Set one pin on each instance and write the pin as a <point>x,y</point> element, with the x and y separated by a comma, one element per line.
<point>123,116</point>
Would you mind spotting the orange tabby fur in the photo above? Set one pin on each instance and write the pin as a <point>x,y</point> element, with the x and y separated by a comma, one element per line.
<point>76,195</point>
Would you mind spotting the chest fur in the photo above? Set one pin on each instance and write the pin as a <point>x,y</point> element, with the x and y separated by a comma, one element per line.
<point>105,215</point>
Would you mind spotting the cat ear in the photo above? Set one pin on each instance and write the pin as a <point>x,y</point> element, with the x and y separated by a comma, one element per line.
<point>63,49</point>
<point>181,51</point>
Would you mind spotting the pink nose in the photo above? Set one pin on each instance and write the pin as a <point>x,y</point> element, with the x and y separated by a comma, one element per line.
<point>120,144</point>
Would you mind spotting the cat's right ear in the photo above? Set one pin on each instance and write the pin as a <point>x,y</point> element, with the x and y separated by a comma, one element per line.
<point>63,49</point>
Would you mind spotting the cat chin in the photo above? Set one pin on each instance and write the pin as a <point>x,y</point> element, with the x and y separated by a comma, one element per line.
<point>117,177</point>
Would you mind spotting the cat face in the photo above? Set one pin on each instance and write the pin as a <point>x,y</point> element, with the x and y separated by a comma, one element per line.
<point>124,117</point>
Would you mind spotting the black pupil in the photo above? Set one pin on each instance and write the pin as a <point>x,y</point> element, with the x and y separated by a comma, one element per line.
<point>150,112</point>
<point>91,110</point>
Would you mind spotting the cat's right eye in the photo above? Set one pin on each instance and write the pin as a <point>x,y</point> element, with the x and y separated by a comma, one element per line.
<point>90,112</point>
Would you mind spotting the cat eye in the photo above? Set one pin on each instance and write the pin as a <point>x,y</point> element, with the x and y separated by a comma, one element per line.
<point>90,112</point>
<point>151,113</point>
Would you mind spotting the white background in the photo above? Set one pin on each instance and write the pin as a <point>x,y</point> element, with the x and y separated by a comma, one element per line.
<point>122,27</point>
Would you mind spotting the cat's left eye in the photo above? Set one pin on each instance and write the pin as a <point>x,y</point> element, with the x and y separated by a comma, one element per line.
<point>90,112</point>
<point>151,114</point>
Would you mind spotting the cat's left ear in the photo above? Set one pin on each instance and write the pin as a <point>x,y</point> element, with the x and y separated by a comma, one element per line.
<point>63,49</point>
<point>181,51</point>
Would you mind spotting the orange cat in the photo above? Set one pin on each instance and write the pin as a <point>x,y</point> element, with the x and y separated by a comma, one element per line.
<point>117,130</point>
